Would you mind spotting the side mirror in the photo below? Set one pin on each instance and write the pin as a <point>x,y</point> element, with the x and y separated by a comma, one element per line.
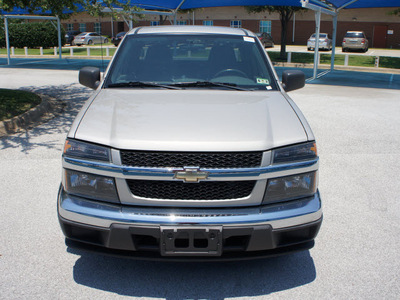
<point>90,77</point>
<point>293,80</point>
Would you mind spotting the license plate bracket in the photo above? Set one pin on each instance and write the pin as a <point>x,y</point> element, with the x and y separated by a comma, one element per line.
<point>191,241</point>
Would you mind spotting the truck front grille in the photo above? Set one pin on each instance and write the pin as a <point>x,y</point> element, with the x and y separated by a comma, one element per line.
<point>210,160</point>
<point>176,190</point>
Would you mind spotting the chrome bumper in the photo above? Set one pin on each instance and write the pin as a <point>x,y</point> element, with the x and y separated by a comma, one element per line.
<point>100,214</point>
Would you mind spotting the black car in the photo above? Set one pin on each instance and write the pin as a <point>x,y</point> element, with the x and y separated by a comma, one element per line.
<point>70,35</point>
<point>117,39</point>
<point>266,39</point>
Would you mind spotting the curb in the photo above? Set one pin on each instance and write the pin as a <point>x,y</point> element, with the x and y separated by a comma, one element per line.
<point>49,106</point>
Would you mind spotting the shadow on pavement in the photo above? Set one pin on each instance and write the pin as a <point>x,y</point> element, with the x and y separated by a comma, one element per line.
<point>209,280</point>
<point>73,95</point>
<point>352,79</point>
<point>337,77</point>
<point>54,63</point>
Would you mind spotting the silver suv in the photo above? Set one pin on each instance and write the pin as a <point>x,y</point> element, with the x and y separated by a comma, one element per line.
<point>355,40</point>
<point>190,148</point>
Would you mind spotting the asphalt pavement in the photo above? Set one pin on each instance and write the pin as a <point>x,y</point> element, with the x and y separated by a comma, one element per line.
<point>356,255</point>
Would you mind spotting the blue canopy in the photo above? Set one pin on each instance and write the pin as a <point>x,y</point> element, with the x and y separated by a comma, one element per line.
<point>188,4</point>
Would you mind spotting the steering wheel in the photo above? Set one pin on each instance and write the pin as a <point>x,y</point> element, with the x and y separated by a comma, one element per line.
<point>238,72</point>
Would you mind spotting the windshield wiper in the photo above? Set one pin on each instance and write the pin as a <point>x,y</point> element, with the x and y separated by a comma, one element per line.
<point>141,84</point>
<point>232,86</point>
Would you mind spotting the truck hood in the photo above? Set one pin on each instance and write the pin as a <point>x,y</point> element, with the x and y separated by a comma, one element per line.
<point>190,120</point>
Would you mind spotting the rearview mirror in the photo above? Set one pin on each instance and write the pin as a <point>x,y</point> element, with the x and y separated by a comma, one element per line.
<point>293,80</point>
<point>90,77</point>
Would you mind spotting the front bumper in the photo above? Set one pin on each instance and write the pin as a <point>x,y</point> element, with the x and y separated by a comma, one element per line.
<point>137,231</point>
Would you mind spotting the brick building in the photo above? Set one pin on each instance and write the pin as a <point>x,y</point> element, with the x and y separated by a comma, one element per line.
<point>381,28</point>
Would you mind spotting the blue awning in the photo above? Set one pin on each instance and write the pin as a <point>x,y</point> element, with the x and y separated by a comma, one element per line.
<point>188,4</point>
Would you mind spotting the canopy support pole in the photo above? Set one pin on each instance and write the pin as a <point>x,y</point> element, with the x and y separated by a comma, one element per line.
<point>59,38</point>
<point>7,40</point>
<point>334,33</point>
<point>316,48</point>
<point>176,10</point>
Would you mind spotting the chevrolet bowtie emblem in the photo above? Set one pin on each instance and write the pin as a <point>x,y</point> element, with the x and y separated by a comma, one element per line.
<point>191,175</point>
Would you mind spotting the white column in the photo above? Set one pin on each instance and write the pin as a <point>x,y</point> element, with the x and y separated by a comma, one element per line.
<point>41,51</point>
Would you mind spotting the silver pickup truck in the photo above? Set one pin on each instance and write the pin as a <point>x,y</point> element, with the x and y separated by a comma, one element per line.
<point>190,148</point>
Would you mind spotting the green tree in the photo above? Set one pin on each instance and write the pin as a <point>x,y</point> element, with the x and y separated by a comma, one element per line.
<point>395,12</point>
<point>61,7</point>
<point>285,15</point>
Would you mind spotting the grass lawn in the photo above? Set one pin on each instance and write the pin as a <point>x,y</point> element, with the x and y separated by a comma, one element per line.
<point>354,60</point>
<point>16,102</point>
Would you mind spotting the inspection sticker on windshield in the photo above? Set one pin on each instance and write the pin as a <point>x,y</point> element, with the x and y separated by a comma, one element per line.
<point>248,39</point>
<point>262,81</point>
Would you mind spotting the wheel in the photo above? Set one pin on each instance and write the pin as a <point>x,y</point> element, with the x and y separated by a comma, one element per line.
<point>241,73</point>
<point>344,49</point>
<point>105,41</point>
<point>90,42</point>
<point>308,49</point>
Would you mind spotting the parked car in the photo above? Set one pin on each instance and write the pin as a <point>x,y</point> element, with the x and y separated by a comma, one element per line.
<point>355,40</point>
<point>117,39</point>
<point>89,38</point>
<point>266,39</point>
<point>70,35</point>
<point>183,156</point>
<point>325,42</point>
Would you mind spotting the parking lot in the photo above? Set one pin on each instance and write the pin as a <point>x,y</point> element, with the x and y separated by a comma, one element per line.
<point>355,118</point>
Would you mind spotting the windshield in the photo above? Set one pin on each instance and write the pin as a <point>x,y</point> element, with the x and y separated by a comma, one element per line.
<point>176,59</point>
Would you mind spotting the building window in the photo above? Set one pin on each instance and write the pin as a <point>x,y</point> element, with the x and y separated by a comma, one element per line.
<point>154,23</point>
<point>97,27</point>
<point>181,23</point>
<point>82,27</point>
<point>208,23</point>
<point>70,27</point>
<point>236,24</point>
<point>265,26</point>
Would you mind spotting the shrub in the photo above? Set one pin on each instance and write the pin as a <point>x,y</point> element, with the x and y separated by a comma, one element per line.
<point>32,35</point>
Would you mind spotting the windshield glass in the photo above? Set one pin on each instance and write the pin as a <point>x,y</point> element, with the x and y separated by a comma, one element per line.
<point>176,59</point>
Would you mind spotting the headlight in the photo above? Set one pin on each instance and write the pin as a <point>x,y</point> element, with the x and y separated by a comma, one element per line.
<point>91,186</point>
<point>291,187</point>
<point>294,153</point>
<point>73,148</point>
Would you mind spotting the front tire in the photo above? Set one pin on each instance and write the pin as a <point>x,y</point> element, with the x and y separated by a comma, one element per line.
<point>105,41</point>
<point>90,42</point>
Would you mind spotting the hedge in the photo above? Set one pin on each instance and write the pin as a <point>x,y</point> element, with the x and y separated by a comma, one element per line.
<point>32,35</point>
